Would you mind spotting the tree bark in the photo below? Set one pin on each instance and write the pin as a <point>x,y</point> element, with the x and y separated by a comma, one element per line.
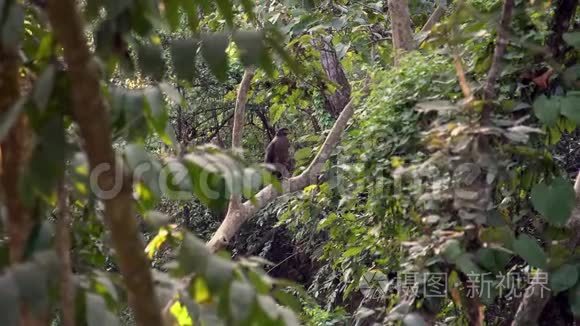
<point>240,110</point>
<point>401,28</point>
<point>238,127</point>
<point>496,65</point>
<point>15,151</point>
<point>235,218</point>
<point>336,101</point>
<point>91,114</point>
<point>563,13</point>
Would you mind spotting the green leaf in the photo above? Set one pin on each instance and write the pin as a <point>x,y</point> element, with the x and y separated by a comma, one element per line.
<point>192,15</point>
<point>177,184</point>
<point>183,54</point>
<point>571,107</point>
<point>303,154</point>
<point>134,113</point>
<point>563,278</point>
<point>43,87</point>
<point>351,252</point>
<point>529,249</point>
<point>156,112</point>
<point>13,26</point>
<point>9,303</point>
<point>143,167</point>
<point>193,255</point>
<point>213,49</point>
<point>274,41</point>
<point>268,306</point>
<point>242,298</point>
<point>218,272</point>
<point>451,251</point>
<point>214,176</point>
<point>251,45</point>
<point>225,8</point>
<point>172,13</point>
<point>150,61</point>
<point>573,39</point>
<point>45,48</point>
<point>8,118</point>
<point>492,259</point>
<point>276,112</point>
<point>287,299</point>
<point>248,6</point>
<point>466,264</point>
<point>547,110</point>
<point>554,201</point>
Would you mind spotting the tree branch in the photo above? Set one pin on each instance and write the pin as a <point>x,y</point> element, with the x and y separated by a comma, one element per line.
<point>240,110</point>
<point>90,113</point>
<point>495,69</point>
<point>63,244</point>
<point>435,17</point>
<point>15,151</point>
<point>237,130</point>
<point>235,218</point>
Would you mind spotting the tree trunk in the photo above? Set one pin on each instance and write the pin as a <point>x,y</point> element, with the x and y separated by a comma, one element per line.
<point>15,151</point>
<point>91,114</point>
<point>563,13</point>
<point>401,28</point>
<point>334,102</point>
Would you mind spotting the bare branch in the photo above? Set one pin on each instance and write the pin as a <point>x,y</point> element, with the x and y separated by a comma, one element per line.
<point>237,130</point>
<point>235,218</point>
<point>533,302</point>
<point>435,17</point>
<point>461,76</point>
<point>495,69</point>
<point>240,110</point>
<point>91,114</point>
<point>63,244</point>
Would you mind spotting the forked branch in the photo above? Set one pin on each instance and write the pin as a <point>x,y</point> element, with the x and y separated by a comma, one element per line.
<point>236,217</point>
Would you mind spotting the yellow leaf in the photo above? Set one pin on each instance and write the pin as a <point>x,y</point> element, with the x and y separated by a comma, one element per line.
<point>181,314</point>
<point>201,292</point>
<point>310,188</point>
<point>156,242</point>
<point>155,39</point>
<point>396,161</point>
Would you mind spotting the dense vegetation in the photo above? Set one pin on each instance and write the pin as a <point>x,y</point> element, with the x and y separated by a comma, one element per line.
<point>435,146</point>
